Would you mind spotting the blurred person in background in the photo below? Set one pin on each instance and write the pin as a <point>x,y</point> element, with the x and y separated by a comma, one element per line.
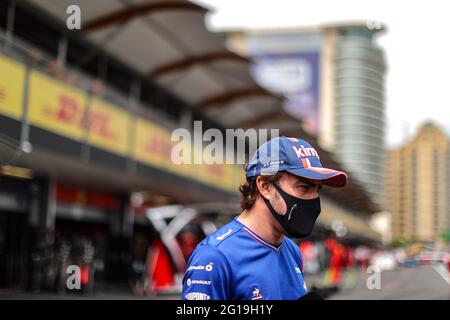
<point>188,240</point>
<point>349,266</point>
<point>336,263</point>
<point>362,256</point>
<point>310,255</point>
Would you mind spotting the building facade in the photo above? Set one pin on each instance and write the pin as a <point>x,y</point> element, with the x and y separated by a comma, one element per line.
<point>352,123</point>
<point>417,186</point>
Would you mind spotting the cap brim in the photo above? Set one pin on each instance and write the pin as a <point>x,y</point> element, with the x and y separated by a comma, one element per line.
<point>328,177</point>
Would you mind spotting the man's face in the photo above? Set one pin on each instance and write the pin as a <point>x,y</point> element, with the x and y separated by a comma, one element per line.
<point>302,188</point>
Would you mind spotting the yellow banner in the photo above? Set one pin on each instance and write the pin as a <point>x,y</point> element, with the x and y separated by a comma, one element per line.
<point>12,77</point>
<point>63,109</point>
<point>222,176</point>
<point>108,126</point>
<point>56,106</point>
<point>153,146</point>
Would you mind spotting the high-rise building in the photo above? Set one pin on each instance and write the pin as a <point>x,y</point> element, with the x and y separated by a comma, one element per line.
<point>418,185</point>
<point>333,79</point>
<point>352,106</point>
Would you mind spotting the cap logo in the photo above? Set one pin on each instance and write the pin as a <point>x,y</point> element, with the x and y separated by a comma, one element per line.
<point>305,152</point>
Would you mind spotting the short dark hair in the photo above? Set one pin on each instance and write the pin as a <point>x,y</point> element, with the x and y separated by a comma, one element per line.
<point>250,192</point>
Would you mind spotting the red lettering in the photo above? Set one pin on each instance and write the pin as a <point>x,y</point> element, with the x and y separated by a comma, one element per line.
<point>215,170</point>
<point>157,145</point>
<point>151,145</point>
<point>2,93</point>
<point>99,124</point>
<point>67,109</point>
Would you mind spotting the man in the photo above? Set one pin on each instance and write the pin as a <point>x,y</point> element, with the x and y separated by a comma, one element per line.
<point>250,258</point>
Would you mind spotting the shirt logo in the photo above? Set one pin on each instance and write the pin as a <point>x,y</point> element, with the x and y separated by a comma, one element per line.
<point>197,296</point>
<point>226,234</point>
<point>256,294</point>
<point>208,267</point>
<point>203,282</point>
<point>297,270</point>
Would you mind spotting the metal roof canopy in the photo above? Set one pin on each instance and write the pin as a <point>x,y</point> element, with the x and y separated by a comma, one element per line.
<point>168,40</point>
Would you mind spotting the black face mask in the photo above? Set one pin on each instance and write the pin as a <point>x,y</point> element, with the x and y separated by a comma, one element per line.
<point>300,217</point>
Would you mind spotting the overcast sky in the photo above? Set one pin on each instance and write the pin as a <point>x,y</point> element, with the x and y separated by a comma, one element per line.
<point>416,46</point>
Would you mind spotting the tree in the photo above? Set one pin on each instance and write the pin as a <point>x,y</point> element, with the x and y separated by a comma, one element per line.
<point>445,236</point>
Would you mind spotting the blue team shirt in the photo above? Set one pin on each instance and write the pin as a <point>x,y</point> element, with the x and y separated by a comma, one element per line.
<point>234,263</point>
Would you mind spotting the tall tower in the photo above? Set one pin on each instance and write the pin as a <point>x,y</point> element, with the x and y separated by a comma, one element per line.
<point>352,116</point>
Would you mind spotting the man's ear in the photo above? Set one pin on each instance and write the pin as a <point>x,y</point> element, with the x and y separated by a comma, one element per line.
<point>264,187</point>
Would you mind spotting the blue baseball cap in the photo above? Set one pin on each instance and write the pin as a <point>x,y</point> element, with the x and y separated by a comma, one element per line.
<point>295,156</point>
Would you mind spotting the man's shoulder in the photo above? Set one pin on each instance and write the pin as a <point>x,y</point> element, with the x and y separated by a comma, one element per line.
<point>292,246</point>
<point>223,236</point>
<point>290,242</point>
<point>215,250</point>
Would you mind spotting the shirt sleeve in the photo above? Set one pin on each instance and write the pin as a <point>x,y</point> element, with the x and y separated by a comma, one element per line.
<point>207,275</point>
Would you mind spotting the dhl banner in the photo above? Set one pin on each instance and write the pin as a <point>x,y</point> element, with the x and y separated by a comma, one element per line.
<point>68,111</point>
<point>223,176</point>
<point>12,79</point>
<point>108,126</point>
<point>56,106</point>
<point>153,146</point>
